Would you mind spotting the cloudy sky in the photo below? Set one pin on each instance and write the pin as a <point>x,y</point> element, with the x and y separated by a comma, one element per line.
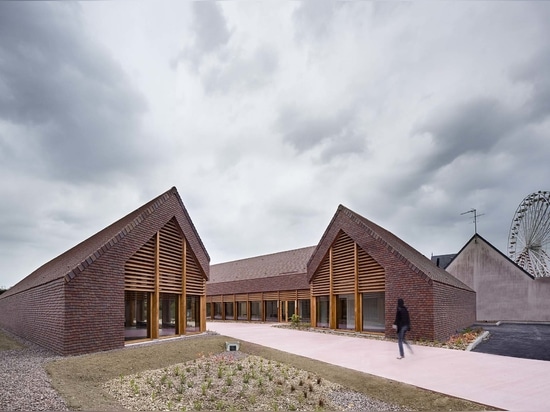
<point>267,115</point>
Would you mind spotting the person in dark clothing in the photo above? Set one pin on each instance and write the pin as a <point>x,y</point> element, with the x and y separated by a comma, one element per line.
<point>402,324</point>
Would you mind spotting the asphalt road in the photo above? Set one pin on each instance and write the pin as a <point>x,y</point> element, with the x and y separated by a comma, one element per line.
<point>527,341</point>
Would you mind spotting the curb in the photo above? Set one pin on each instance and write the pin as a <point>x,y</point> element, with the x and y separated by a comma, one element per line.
<point>476,342</point>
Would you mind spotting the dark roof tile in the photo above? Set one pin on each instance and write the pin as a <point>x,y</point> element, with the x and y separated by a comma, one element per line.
<point>282,263</point>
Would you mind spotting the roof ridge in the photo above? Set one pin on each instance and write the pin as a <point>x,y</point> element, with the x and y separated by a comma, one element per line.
<point>395,244</point>
<point>152,206</point>
<point>265,255</point>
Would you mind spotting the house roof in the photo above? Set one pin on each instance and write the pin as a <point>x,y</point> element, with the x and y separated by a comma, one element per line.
<point>73,261</point>
<point>286,282</point>
<point>290,262</point>
<point>477,236</point>
<point>392,243</point>
<point>443,260</point>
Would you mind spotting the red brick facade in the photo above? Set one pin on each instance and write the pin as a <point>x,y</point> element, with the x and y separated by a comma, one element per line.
<point>439,304</point>
<point>81,309</point>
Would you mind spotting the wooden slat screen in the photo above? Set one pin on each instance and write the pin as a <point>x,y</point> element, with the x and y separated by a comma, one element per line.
<point>170,255</point>
<point>321,279</point>
<point>228,298</point>
<point>371,274</point>
<point>343,265</point>
<point>217,298</point>
<point>254,297</point>
<point>195,283</point>
<point>271,295</point>
<point>304,294</point>
<point>139,270</point>
<point>288,295</point>
<point>241,297</point>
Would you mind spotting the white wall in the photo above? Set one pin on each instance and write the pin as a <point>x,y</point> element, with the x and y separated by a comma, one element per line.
<point>503,290</point>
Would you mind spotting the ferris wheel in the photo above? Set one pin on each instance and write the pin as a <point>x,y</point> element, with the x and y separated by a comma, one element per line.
<point>529,237</point>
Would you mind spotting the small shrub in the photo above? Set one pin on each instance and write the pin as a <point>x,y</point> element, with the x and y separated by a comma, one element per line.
<point>295,321</point>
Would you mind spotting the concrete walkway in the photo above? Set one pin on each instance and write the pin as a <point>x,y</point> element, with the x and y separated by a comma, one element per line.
<point>503,382</point>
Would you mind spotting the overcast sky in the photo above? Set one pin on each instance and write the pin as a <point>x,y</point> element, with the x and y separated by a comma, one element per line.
<point>267,115</point>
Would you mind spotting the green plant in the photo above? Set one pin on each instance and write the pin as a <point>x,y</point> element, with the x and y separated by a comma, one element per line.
<point>295,320</point>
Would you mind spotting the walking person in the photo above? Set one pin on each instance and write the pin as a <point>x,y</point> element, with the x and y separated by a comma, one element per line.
<point>402,324</point>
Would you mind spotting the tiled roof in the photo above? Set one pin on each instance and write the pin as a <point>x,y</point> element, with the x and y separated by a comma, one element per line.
<point>76,259</point>
<point>275,283</point>
<point>290,262</point>
<point>443,260</point>
<point>398,247</point>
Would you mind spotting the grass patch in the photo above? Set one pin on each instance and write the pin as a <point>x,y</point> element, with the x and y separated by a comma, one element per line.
<point>8,343</point>
<point>81,380</point>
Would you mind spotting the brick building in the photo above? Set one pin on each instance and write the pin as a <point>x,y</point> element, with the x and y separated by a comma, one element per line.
<point>359,270</point>
<point>264,288</point>
<point>143,277</point>
<point>351,281</point>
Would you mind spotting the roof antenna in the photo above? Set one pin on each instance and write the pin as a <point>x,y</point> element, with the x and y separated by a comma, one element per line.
<point>475,218</point>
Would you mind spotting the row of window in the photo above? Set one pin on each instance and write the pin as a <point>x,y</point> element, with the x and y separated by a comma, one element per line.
<point>267,310</point>
<point>372,311</point>
<point>138,312</point>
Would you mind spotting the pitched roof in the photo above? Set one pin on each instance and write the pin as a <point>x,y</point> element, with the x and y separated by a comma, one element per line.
<point>290,262</point>
<point>443,260</point>
<point>76,259</point>
<point>286,282</point>
<point>477,236</point>
<point>393,244</point>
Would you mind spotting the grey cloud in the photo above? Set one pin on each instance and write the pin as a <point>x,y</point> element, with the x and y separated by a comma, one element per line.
<point>313,19</point>
<point>243,74</point>
<point>473,127</point>
<point>534,73</point>
<point>210,26</point>
<point>305,131</point>
<point>71,103</point>
<point>211,33</point>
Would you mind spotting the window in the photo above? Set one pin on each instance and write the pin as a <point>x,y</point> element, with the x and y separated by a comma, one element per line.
<point>304,310</point>
<point>136,304</point>
<point>193,311</point>
<point>241,311</point>
<point>345,311</point>
<point>323,311</point>
<point>255,311</point>
<point>229,310</point>
<point>217,310</point>
<point>167,314</point>
<point>373,311</point>
<point>271,313</point>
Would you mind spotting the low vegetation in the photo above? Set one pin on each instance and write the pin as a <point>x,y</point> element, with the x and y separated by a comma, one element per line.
<point>110,380</point>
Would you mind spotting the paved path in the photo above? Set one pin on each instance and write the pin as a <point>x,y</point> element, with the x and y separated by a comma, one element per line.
<point>504,382</point>
<point>520,340</point>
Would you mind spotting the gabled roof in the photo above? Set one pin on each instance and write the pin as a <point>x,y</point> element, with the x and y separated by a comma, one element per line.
<point>477,236</point>
<point>400,249</point>
<point>290,262</point>
<point>75,260</point>
<point>443,260</point>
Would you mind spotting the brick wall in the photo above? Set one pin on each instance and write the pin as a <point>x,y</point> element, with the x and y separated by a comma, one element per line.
<point>86,314</point>
<point>37,315</point>
<point>437,310</point>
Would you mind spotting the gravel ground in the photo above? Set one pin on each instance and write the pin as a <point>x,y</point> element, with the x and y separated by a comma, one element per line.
<point>24,384</point>
<point>236,381</point>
